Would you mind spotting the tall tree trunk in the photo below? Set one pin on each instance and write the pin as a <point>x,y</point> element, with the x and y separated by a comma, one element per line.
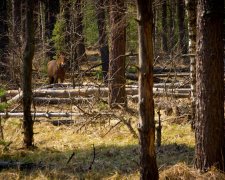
<point>146,128</point>
<point>181,26</point>
<point>209,149</point>
<point>3,35</point>
<point>117,80</point>
<point>52,9</point>
<point>67,9</point>
<point>164,26</point>
<point>191,12</point>
<point>102,40</point>
<point>27,75</point>
<point>80,48</point>
<point>42,10</point>
<point>15,42</point>
<point>172,11</point>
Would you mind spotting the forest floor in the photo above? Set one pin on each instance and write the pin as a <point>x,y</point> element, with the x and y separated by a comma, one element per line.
<point>98,150</point>
<point>98,146</point>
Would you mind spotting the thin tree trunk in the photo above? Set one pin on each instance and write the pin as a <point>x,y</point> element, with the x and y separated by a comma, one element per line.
<point>191,12</point>
<point>209,133</point>
<point>181,26</point>
<point>164,26</point>
<point>17,35</point>
<point>103,41</point>
<point>146,128</point>
<point>52,9</point>
<point>172,11</point>
<point>27,75</point>
<point>43,29</point>
<point>117,80</point>
<point>3,36</point>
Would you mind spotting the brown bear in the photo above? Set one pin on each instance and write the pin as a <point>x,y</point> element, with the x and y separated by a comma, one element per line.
<point>56,69</point>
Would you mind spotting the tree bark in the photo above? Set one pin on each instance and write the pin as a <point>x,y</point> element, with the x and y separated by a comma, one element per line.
<point>172,11</point>
<point>3,36</point>
<point>103,42</point>
<point>148,164</point>
<point>191,13</point>
<point>42,9</point>
<point>181,26</point>
<point>117,80</point>
<point>209,133</point>
<point>52,9</point>
<point>27,75</point>
<point>80,48</point>
<point>164,26</point>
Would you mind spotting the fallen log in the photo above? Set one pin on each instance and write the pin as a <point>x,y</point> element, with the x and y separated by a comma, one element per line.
<point>16,98</point>
<point>54,100</point>
<point>133,76</point>
<point>92,91</point>
<point>66,93</point>
<point>159,94</point>
<point>172,85</point>
<point>50,114</point>
<point>75,96</point>
<point>171,74</point>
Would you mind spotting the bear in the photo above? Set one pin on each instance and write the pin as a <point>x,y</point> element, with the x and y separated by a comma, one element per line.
<point>57,69</point>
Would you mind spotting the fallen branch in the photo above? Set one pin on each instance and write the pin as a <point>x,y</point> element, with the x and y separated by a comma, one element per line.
<point>112,128</point>
<point>128,124</point>
<point>70,158</point>
<point>93,160</point>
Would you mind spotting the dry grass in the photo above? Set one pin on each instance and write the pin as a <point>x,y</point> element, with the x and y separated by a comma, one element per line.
<point>116,154</point>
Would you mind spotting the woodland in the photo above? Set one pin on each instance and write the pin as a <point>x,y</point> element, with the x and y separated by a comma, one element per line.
<point>112,89</point>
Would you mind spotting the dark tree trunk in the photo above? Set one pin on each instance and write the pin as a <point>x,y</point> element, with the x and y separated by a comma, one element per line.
<point>181,26</point>
<point>103,41</point>
<point>117,80</point>
<point>146,127</point>
<point>209,149</point>
<point>27,75</point>
<point>164,26</point>
<point>16,15</point>
<point>3,35</point>
<point>80,47</point>
<point>52,9</point>
<point>191,12</point>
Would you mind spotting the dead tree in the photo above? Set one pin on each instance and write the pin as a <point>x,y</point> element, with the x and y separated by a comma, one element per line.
<point>191,12</point>
<point>148,169</point>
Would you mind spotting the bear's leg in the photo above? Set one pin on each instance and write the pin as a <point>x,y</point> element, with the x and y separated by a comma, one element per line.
<point>51,80</point>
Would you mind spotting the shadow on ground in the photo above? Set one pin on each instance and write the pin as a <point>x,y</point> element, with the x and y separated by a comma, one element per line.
<point>98,162</point>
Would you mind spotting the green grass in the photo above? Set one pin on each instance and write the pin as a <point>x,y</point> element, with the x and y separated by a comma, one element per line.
<point>116,154</point>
